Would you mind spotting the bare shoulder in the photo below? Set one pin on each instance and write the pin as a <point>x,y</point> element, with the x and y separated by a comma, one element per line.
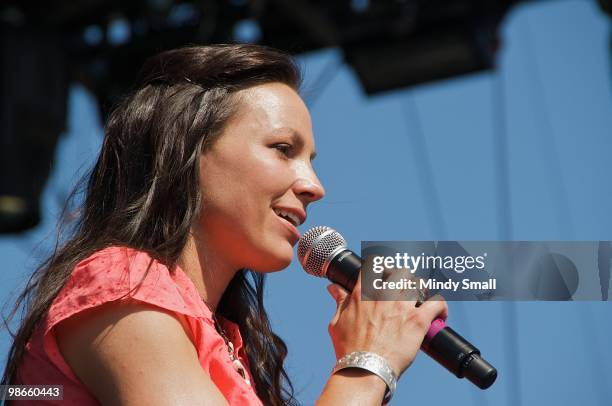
<point>132,353</point>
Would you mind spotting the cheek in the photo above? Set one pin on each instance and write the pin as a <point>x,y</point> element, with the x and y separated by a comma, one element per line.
<point>233,194</point>
<point>265,175</point>
<point>241,189</point>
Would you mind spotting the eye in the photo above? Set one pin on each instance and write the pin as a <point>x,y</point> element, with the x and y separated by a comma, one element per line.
<point>284,148</point>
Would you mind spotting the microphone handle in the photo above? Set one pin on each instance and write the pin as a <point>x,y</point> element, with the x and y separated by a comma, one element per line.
<point>441,342</point>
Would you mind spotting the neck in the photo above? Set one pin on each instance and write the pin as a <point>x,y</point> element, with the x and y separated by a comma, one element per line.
<point>209,275</point>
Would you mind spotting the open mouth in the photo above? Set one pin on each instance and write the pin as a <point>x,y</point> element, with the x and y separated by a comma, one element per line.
<point>290,217</point>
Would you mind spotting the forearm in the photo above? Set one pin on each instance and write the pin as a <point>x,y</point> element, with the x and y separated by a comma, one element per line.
<point>353,387</point>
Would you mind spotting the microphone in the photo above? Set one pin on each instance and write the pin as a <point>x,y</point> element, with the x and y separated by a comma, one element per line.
<point>323,252</point>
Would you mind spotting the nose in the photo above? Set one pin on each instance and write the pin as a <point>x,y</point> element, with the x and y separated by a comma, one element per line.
<point>308,188</point>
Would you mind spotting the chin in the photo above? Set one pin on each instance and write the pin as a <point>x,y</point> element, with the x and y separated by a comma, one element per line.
<point>275,261</point>
<point>280,264</point>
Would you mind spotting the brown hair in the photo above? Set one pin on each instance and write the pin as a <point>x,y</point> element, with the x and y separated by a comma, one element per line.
<point>144,190</point>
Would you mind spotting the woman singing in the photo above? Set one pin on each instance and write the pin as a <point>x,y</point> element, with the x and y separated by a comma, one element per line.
<point>157,297</point>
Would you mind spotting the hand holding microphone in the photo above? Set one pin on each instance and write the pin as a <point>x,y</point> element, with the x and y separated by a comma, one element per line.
<point>393,329</point>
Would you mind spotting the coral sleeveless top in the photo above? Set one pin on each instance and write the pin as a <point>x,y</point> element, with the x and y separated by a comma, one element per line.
<point>113,274</point>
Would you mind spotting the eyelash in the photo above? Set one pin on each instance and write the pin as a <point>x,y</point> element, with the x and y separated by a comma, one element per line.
<point>284,148</point>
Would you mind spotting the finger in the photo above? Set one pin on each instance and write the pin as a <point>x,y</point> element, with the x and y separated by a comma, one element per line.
<point>400,285</point>
<point>337,292</point>
<point>421,293</point>
<point>410,290</point>
<point>435,307</point>
<point>339,295</point>
<point>367,293</point>
<point>356,293</point>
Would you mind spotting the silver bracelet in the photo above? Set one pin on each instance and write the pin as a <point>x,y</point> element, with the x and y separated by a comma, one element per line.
<point>370,362</point>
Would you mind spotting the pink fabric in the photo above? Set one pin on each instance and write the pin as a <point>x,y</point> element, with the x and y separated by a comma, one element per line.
<point>109,275</point>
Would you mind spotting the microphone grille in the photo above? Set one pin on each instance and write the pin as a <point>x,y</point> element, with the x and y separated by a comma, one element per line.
<point>316,246</point>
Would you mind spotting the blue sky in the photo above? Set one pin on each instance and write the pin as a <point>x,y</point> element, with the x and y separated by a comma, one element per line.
<point>424,164</point>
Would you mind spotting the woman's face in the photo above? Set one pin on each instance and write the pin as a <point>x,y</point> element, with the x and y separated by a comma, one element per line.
<point>257,180</point>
